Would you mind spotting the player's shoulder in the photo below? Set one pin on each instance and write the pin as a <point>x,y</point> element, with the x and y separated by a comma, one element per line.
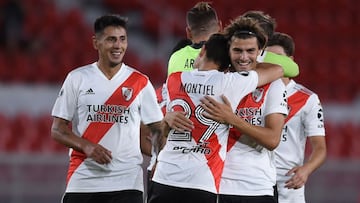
<point>277,83</point>
<point>312,96</point>
<point>85,69</point>
<point>240,77</point>
<point>181,44</point>
<point>244,73</point>
<point>248,74</point>
<point>134,71</point>
<point>303,89</point>
<point>184,52</point>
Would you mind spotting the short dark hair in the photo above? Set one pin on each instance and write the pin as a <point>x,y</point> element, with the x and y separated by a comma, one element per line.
<point>265,20</point>
<point>283,40</point>
<point>217,50</point>
<point>201,18</point>
<point>109,20</point>
<point>245,27</point>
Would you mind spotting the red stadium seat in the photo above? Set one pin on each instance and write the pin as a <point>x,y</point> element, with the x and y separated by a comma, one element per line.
<point>336,144</point>
<point>24,133</point>
<point>5,133</point>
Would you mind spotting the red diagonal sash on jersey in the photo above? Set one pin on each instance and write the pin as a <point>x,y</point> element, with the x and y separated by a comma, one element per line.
<point>96,130</point>
<point>214,160</point>
<point>249,101</point>
<point>295,103</point>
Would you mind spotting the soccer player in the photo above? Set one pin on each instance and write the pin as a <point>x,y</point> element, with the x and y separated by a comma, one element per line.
<point>304,122</point>
<point>242,179</point>
<point>249,171</point>
<point>202,21</point>
<point>105,102</point>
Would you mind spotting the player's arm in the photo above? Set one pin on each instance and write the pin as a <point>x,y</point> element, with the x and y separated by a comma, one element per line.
<point>291,69</point>
<point>158,139</point>
<point>299,175</point>
<point>268,72</point>
<point>145,140</point>
<point>61,132</point>
<point>318,154</point>
<point>268,136</point>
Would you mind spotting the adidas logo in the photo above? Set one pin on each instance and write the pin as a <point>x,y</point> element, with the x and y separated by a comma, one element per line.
<point>90,91</point>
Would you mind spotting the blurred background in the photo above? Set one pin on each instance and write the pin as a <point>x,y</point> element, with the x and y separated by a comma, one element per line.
<point>42,40</point>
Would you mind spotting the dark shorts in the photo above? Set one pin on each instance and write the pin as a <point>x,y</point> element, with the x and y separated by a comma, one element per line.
<point>169,194</point>
<point>246,199</point>
<point>276,194</point>
<point>126,196</point>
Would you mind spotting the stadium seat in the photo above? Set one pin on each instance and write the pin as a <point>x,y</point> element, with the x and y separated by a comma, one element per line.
<point>3,67</point>
<point>156,71</point>
<point>45,71</point>
<point>151,23</point>
<point>336,144</point>
<point>5,133</point>
<point>355,152</point>
<point>24,133</point>
<point>123,6</point>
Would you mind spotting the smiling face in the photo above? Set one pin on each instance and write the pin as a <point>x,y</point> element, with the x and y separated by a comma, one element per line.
<point>243,53</point>
<point>111,45</point>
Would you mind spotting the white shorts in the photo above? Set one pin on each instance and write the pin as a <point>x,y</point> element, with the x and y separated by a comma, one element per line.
<point>289,195</point>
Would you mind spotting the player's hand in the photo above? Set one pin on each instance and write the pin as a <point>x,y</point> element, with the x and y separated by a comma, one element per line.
<point>299,177</point>
<point>215,110</point>
<point>177,120</point>
<point>97,152</point>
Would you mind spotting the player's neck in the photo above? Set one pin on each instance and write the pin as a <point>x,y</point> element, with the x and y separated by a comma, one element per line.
<point>108,71</point>
<point>286,81</point>
<point>208,65</point>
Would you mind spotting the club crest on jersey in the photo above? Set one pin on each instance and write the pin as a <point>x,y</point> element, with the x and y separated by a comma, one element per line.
<point>258,94</point>
<point>127,93</point>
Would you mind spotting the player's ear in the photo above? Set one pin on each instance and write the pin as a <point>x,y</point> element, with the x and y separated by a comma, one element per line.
<point>220,26</point>
<point>95,42</point>
<point>202,51</point>
<point>188,32</point>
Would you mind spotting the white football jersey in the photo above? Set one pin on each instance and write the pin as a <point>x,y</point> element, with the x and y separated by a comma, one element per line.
<point>195,159</point>
<point>305,119</point>
<point>107,112</point>
<point>249,167</point>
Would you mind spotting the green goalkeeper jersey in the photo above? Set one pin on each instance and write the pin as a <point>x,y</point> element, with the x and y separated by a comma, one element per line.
<point>183,59</point>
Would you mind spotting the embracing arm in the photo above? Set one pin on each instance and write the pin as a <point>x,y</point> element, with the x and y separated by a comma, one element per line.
<point>61,132</point>
<point>268,136</point>
<point>291,69</point>
<point>268,72</point>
